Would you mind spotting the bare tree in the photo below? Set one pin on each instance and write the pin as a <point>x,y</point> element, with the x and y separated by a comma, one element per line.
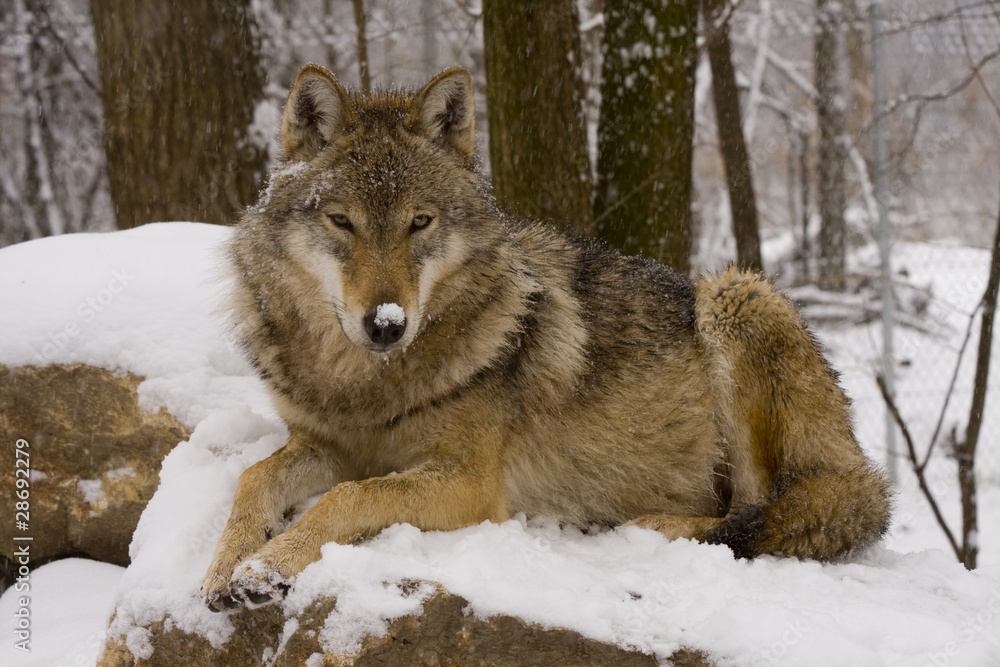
<point>51,163</point>
<point>966,546</point>
<point>361,23</point>
<point>732,143</point>
<point>831,190</point>
<point>646,131</point>
<point>538,135</point>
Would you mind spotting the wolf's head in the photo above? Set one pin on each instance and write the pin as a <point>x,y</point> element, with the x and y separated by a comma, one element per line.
<point>377,198</point>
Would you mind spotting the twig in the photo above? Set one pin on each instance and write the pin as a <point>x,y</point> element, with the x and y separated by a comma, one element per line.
<point>919,471</point>
<point>50,29</point>
<point>951,387</point>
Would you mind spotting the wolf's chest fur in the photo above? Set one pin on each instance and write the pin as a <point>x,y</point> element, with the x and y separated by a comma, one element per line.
<point>572,353</point>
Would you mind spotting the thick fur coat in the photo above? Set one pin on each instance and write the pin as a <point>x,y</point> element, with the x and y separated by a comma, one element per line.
<point>523,370</point>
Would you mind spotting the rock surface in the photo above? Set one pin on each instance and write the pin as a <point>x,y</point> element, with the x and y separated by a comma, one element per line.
<point>94,454</point>
<point>443,634</point>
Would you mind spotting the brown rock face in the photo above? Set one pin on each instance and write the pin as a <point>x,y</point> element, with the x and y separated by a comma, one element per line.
<point>443,634</point>
<point>94,454</point>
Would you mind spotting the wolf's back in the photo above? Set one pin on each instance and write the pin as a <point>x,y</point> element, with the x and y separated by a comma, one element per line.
<point>802,486</point>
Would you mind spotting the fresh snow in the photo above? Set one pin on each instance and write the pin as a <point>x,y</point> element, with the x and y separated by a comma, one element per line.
<point>71,601</point>
<point>144,301</point>
<point>389,313</point>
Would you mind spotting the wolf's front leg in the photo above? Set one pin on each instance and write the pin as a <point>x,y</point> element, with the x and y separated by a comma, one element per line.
<point>296,471</point>
<point>433,497</point>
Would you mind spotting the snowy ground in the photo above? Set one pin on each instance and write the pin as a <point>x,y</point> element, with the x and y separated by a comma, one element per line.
<point>142,301</point>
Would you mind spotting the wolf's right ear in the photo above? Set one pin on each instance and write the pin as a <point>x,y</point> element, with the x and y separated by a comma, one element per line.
<point>317,110</point>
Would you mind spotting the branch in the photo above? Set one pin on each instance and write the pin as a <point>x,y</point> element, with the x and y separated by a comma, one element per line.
<point>941,17</point>
<point>757,73</point>
<point>788,70</point>
<point>968,59</point>
<point>717,22</point>
<point>918,470</point>
<point>47,26</point>
<point>945,94</point>
<point>951,388</point>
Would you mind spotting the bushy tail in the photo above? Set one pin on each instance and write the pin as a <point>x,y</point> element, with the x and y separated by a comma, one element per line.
<point>802,486</point>
<point>822,514</point>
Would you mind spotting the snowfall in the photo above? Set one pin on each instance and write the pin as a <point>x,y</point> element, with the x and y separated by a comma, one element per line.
<point>146,301</point>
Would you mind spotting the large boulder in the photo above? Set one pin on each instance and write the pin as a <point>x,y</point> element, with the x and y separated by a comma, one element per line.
<point>443,633</point>
<point>94,456</point>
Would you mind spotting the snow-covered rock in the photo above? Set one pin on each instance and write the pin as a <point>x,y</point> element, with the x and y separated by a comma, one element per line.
<point>94,459</point>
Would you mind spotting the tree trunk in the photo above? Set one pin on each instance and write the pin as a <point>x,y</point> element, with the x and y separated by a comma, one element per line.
<point>831,195</point>
<point>646,131</point>
<point>732,143</point>
<point>861,108</point>
<point>966,451</point>
<point>534,99</point>
<point>179,84</point>
<point>361,24</point>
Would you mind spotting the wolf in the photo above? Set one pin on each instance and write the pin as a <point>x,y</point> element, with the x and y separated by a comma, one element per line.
<point>441,364</point>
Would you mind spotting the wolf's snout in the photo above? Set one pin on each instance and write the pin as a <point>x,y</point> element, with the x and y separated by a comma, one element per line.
<point>385,325</point>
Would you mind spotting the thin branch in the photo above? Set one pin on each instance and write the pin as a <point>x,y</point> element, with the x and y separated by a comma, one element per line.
<point>941,17</point>
<point>945,94</point>
<point>968,60</point>
<point>46,25</point>
<point>786,68</point>
<point>921,480</point>
<point>951,387</point>
<point>757,73</point>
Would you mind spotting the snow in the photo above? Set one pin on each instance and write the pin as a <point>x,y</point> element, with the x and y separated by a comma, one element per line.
<point>71,601</point>
<point>389,313</point>
<point>91,490</point>
<point>144,300</point>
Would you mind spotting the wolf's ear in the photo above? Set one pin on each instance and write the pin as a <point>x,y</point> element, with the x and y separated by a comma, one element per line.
<point>317,110</point>
<point>444,111</point>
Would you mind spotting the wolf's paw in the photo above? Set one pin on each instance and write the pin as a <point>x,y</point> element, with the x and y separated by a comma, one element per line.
<point>258,582</point>
<point>676,527</point>
<point>219,599</point>
<point>215,589</point>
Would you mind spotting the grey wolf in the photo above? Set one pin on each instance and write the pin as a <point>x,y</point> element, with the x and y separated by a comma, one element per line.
<point>440,364</point>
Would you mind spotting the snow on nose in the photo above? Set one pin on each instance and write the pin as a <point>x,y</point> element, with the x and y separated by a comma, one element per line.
<point>389,313</point>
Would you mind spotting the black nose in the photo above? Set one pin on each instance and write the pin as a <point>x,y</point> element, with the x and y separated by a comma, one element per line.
<point>383,331</point>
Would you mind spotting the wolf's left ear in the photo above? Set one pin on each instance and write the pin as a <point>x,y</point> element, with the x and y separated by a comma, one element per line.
<point>444,111</point>
<point>317,111</point>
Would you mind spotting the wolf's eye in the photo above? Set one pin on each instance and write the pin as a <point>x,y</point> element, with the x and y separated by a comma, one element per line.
<point>341,220</point>
<point>420,222</point>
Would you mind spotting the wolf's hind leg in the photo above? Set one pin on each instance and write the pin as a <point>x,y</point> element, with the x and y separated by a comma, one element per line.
<point>266,489</point>
<point>802,486</point>
<point>676,527</point>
